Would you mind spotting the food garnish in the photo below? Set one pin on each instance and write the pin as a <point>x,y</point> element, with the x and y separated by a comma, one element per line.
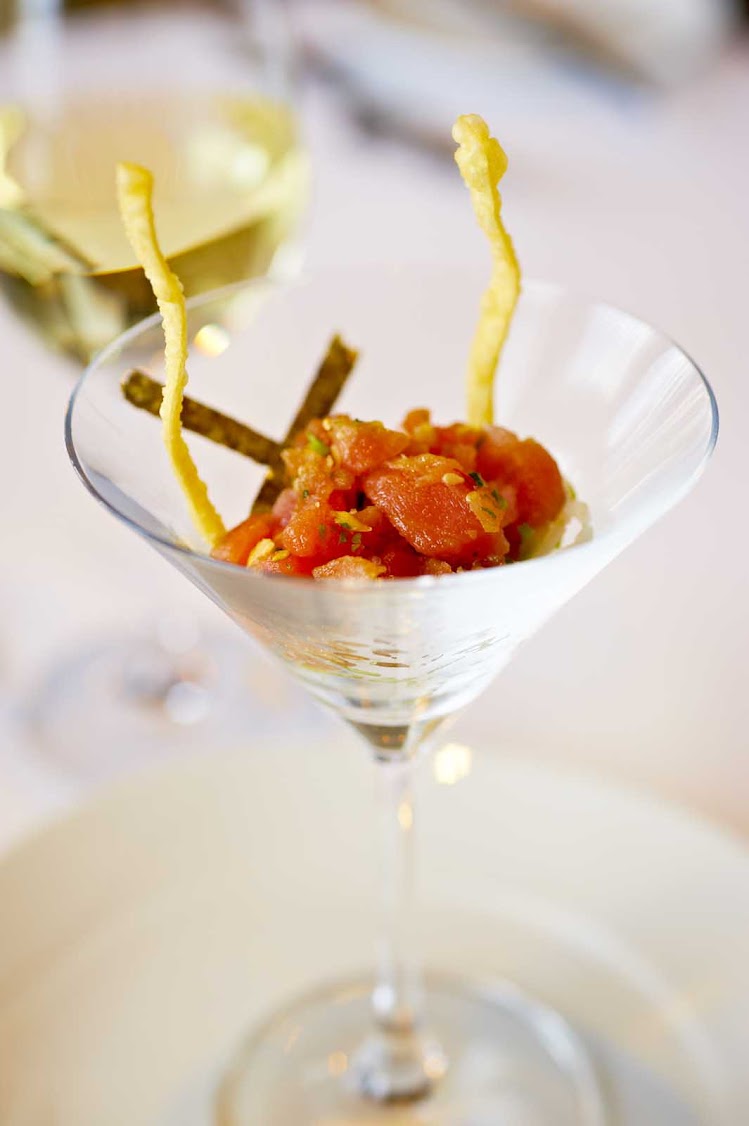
<point>135,197</point>
<point>482,163</point>
<point>147,394</point>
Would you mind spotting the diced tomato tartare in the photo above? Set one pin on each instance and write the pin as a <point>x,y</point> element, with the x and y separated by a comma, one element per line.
<point>363,501</point>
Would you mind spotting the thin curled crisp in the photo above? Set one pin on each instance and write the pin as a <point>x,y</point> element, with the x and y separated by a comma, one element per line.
<point>135,193</point>
<point>482,163</point>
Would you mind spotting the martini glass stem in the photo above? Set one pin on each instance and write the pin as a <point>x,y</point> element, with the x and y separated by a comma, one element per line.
<point>397,996</point>
<point>398,1062</point>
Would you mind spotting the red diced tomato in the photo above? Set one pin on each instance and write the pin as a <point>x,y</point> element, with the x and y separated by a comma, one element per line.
<point>401,561</point>
<point>425,498</point>
<point>312,531</point>
<point>458,441</point>
<point>342,500</point>
<point>361,446</point>
<point>529,468</point>
<point>493,446</point>
<point>287,564</point>
<point>237,544</point>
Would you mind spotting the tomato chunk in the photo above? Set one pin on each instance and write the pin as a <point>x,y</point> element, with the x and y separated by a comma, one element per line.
<point>361,446</point>
<point>458,441</point>
<point>529,468</point>
<point>284,563</point>
<point>237,544</point>
<point>312,531</point>
<point>426,498</point>
<point>401,561</point>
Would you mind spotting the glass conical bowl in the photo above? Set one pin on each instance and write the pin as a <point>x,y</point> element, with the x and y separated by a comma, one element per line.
<point>631,421</point>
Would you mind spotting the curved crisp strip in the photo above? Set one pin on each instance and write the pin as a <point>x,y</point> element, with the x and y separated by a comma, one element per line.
<point>134,193</point>
<point>482,163</point>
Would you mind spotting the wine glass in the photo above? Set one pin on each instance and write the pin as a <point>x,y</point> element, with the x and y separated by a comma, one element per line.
<point>632,422</point>
<point>201,94</point>
<point>198,93</point>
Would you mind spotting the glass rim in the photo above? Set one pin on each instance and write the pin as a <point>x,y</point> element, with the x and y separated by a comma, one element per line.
<point>420,583</point>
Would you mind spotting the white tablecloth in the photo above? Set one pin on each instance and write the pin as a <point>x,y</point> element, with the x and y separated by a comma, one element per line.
<point>641,676</point>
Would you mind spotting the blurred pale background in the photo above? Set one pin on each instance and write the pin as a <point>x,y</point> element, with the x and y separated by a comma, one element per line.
<point>626,126</point>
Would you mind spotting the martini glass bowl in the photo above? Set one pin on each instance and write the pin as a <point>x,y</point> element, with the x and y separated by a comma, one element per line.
<point>632,422</point>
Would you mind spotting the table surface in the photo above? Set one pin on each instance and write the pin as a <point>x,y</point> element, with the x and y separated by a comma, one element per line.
<point>640,677</point>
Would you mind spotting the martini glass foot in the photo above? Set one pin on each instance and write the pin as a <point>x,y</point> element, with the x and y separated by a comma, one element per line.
<point>491,1057</point>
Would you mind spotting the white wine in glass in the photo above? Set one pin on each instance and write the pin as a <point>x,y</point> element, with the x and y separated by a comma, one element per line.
<point>231,185</point>
<point>207,117</point>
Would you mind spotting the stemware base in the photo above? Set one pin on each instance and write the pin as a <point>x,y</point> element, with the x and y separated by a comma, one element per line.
<point>510,1062</point>
<point>126,702</point>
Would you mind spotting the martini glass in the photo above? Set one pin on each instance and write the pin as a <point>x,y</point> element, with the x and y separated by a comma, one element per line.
<point>632,422</point>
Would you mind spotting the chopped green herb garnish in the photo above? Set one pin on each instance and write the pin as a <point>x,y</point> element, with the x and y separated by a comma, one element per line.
<point>342,537</point>
<point>499,498</point>
<point>356,542</point>
<point>319,447</point>
<point>305,494</point>
<point>479,480</point>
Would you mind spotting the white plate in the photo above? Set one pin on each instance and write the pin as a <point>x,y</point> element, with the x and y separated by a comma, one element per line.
<point>139,938</point>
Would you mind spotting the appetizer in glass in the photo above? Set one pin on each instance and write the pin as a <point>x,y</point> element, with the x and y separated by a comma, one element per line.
<point>395,572</point>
